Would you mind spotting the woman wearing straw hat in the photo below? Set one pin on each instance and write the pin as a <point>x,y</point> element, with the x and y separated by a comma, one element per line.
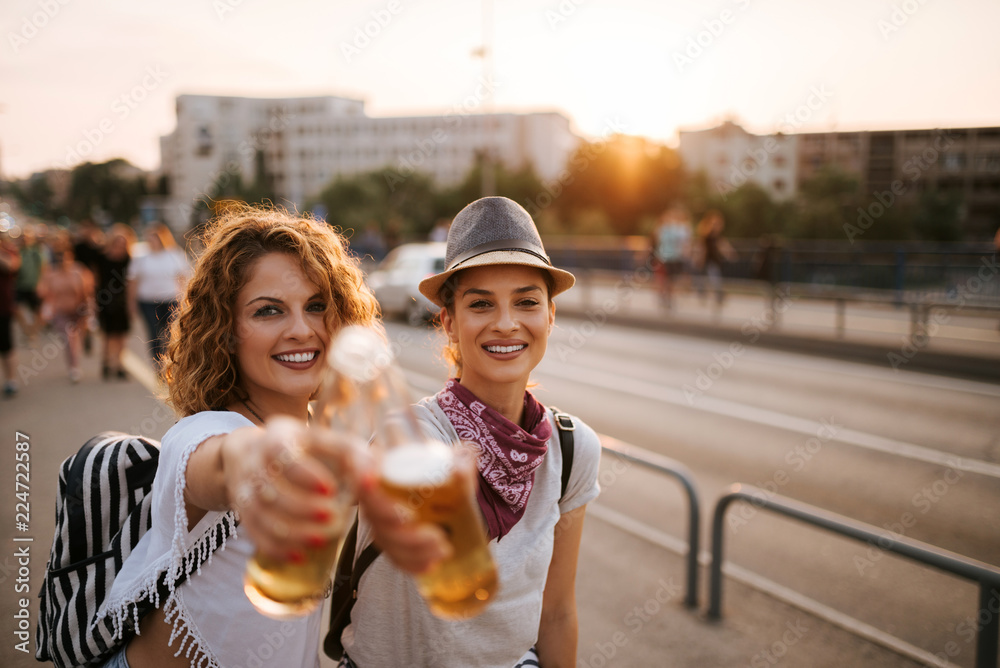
<point>497,312</point>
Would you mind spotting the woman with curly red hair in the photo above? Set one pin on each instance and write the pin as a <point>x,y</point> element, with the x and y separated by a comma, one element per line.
<point>247,352</point>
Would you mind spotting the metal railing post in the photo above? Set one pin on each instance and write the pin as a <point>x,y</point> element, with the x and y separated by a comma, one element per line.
<point>681,473</point>
<point>715,569</point>
<point>985,575</point>
<point>989,630</point>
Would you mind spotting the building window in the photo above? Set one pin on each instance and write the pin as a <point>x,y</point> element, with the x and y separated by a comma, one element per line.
<point>988,162</point>
<point>953,162</point>
<point>950,185</point>
<point>204,141</point>
<point>991,186</point>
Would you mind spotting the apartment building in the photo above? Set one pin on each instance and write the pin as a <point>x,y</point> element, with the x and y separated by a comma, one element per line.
<point>730,157</point>
<point>298,145</point>
<point>961,161</point>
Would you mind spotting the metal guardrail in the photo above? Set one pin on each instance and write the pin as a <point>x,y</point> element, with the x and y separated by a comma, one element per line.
<point>896,266</point>
<point>920,305</point>
<point>988,577</point>
<point>681,473</point>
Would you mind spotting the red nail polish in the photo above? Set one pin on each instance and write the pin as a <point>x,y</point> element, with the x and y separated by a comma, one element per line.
<point>315,541</point>
<point>368,482</point>
<point>296,557</point>
<point>324,489</point>
<point>322,515</point>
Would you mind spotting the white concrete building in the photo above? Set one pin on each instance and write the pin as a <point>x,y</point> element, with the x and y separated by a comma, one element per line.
<point>298,145</point>
<point>730,157</point>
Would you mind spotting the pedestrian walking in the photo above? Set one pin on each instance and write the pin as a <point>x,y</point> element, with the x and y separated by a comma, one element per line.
<point>67,292</point>
<point>10,263</point>
<point>713,252</point>
<point>155,281</point>
<point>112,298</point>
<point>672,241</point>
<point>34,260</point>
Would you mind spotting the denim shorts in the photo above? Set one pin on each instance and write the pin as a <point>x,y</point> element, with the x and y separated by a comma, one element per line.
<point>118,660</point>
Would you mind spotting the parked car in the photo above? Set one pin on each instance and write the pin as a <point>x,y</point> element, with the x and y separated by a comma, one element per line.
<point>394,281</point>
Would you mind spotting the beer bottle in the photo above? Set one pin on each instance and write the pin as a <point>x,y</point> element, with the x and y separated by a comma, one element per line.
<point>284,590</point>
<point>423,476</point>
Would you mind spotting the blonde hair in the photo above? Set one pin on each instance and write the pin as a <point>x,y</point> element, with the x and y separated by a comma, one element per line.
<point>200,366</point>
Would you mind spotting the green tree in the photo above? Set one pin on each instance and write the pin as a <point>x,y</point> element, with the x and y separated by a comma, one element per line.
<point>936,217</point>
<point>36,198</point>
<point>114,188</point>
<point>380,197</point>
<point>521,185</point>
<point>750,212</point>
<point>826,205</point>
<point>629,179</point>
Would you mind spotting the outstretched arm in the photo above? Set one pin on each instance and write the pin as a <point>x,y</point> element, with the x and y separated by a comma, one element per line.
<point>276,479</point>
<point>557,631</point>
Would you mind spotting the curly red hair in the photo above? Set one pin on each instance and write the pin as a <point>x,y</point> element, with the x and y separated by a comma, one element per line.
<point>200,368</point>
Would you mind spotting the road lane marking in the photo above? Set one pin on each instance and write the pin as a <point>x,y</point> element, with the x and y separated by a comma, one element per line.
<point>680,343</point>
<point>763,416</point>
<point>141,371</point>
<point>750,579</point>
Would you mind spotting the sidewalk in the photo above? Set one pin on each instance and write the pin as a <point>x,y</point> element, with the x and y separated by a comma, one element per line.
<point>961,343</point>
<point>638,622</point>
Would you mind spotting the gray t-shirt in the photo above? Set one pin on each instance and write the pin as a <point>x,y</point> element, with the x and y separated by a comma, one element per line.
<point>390,623</point>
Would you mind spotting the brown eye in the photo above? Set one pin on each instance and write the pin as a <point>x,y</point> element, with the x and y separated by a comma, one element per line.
<point>265,311</point>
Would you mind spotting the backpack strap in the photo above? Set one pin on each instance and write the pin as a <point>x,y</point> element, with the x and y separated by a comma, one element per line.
<point>564,423</point>
<point>345,589</point>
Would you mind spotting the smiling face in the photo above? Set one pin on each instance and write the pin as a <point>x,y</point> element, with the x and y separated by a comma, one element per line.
<point>281,337</point>
<point>500,321</point>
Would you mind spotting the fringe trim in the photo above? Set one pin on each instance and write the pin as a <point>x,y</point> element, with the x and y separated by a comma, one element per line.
<point>165,573</point>
<point>191,638</point>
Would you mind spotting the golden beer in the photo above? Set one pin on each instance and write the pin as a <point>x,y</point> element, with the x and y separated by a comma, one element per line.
<point>423,479</point>
<point>282,589</point>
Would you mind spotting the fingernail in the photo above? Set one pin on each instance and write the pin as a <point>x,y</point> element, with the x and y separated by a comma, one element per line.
<point>324,489</point>
<point>296,557</point>
<point>315,541</point>
<point>368,481</point>
<point>322,515</point>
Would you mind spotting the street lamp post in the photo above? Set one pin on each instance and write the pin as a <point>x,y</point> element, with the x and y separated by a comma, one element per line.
<point>487,168</point>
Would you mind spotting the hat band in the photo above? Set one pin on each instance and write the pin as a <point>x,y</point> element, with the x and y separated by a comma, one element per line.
<point>503,244</point>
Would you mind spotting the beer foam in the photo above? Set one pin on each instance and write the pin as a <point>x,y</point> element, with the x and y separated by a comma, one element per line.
<point>418,464</point>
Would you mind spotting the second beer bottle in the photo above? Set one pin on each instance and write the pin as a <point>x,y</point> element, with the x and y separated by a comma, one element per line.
<point>425,477</point>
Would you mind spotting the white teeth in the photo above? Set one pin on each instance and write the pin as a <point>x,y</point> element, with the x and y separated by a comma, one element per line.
<point>297,357</point>
<point>505,349</point>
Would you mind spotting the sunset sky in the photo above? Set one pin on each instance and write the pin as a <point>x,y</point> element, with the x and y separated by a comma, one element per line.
<point>651,66</point>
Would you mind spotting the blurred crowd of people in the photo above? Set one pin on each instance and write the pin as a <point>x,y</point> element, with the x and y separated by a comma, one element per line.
<point>71,285</point>
<point>689,256</point>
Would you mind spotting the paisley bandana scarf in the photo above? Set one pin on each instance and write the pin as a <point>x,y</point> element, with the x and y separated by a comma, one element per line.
<point>508,454</point>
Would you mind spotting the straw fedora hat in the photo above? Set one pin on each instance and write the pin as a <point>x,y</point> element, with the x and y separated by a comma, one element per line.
<point>493,231</point>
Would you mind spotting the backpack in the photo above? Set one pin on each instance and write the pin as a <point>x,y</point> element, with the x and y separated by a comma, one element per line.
<point>103,508</point>
<point>348,574</point>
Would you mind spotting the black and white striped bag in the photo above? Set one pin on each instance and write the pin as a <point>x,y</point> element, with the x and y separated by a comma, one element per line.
<point>102,510</point>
